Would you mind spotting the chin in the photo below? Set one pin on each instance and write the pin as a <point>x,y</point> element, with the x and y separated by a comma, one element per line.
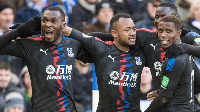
<point>164,47</point>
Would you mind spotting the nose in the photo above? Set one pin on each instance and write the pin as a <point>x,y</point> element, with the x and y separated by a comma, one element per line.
<point>163,34</point>
<point>132,32</point>
<point>48,23</point>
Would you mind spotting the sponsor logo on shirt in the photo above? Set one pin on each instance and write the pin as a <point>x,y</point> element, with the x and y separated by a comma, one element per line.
<point>157,67</point>
<point>154,46</point>
<point>86,36</point>
<point>138,61</point>
<point>64,72</point>
<point>113,58</point>
<point>44,51</point>
<point>165,82</point>
<point>70,53</point>
<point>197,40</point>
<point>129,79</point>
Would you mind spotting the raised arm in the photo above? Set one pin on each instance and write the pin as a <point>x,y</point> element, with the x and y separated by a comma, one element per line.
<point>92,44</point>
<point>28,29</point>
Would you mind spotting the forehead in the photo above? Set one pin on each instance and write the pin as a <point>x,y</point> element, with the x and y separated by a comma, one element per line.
<point>164,11</point>
<point>126,22</point>
<point>51,14</point>
<point>169,25</point>
<point>7,10</point>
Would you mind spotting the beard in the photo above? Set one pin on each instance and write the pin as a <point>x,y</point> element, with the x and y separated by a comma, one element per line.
<point>124,44</point>
<point>56,36</point>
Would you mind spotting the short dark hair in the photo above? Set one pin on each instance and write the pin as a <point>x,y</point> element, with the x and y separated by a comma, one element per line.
<point>174,19</point>
<point>116,17</point>
<point>170,5</point>
<point>5,65</point>
<point>56,8</point>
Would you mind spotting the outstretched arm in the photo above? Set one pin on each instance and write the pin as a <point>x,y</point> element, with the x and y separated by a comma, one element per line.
<point>192,46</point>
<point>178,49</point>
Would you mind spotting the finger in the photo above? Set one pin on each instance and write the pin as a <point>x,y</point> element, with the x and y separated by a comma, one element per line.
<point>152,98</point>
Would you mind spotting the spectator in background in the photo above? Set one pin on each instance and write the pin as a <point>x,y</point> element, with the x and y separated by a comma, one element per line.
<point>145,87</point>
<point>118,6</point>
<point>183,8</point>
<point>6,86</point>
<point>82,84</point>
<point>14,102</point>
<point>82,13</point>
<point>25,78</point>
<point>15,4</point>
<point>6,17</point>
<point>104,13</point>
<point>6,21</point>
<point>33,8</point>
<point>193,20</point>
<point>135,8</point>
<point>148,18</point>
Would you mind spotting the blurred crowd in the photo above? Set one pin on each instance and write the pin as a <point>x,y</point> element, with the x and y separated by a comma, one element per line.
<point>86,16</point>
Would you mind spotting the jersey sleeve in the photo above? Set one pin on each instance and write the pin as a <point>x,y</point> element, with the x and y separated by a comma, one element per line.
<point>84,55</point>
<point>191,38</point>
<point>196,79</point>
<point>171,75</point>
<point>11,49</point>
<point>102,36</point>
<point>92,45</point>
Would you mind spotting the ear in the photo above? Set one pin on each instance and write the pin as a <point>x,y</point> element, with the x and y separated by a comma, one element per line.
<point>179,32</point>
<point>114,33</point>
<point>64,24</point>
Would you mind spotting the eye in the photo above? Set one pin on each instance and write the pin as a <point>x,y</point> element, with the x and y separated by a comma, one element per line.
<point>126,30</point>
<point>169,31</point>
<point>54,21</point>
<point>44,20</point>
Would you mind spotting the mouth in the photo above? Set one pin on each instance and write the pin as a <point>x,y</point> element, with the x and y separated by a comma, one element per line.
<point>132,39</point>
<point>48,34</point>
<point>164,41</point>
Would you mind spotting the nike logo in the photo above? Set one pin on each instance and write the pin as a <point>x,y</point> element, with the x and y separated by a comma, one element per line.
<point>153,46</point>
<point>44,51</point>
<point>113,58</point>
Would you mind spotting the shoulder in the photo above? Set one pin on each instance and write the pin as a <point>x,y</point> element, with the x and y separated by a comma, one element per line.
<point>179,60</point>
<point>70,41</point>
<point>143,32</point>
<point>29,41</point>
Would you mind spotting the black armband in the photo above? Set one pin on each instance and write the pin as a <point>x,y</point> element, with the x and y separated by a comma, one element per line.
<point>157,104</point>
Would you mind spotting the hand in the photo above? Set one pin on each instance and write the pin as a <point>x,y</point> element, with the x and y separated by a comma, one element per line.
<point>31,27</point>
<point>176,49</point>
<point>152,95</point>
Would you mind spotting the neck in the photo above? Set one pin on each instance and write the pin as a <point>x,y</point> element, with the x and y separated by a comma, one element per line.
<point>58,41</point>
<point>145,87</point>
<point>178,41</point>
<point>4,29</point>
<point>120,47</point>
